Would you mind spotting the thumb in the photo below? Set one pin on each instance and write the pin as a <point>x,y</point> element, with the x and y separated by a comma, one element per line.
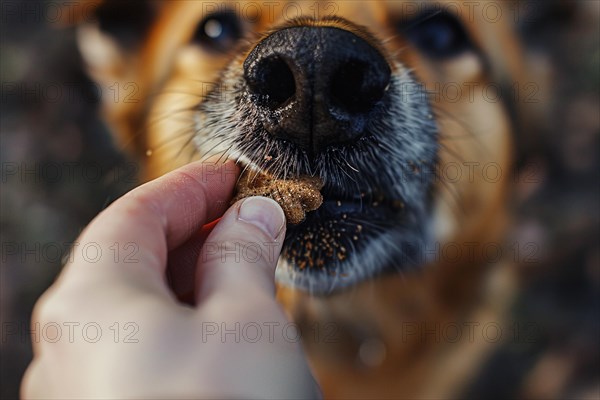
<point>241,252</point>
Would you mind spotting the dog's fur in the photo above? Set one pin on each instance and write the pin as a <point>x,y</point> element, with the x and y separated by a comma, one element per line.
<point>186,105</point>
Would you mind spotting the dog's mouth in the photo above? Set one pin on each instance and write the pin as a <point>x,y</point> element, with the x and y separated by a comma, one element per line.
<point>358,231</point>
<point>374,205</point>
<point>339,228</point>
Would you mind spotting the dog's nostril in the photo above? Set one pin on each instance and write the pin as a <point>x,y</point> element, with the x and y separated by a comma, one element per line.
<point>356,87</point>
<point>273,81</point>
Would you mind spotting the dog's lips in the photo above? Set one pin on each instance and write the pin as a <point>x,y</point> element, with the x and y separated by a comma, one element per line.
<point>359,204</point>
<point>333,234</point>
<point>338,203</point>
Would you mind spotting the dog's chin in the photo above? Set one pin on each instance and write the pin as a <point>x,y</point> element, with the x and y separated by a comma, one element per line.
<point>348,240</point>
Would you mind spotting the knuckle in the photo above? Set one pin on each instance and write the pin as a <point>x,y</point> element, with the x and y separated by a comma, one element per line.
<point>54,308</point>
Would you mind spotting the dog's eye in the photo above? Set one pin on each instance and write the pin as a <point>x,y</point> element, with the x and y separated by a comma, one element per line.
<point>438,34</point>
<point>219,31</point>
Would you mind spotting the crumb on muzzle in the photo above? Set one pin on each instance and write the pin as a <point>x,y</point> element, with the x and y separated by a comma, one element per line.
<point>295,196</point>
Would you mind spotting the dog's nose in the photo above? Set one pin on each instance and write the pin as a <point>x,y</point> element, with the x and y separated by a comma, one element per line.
<point>316,86</point>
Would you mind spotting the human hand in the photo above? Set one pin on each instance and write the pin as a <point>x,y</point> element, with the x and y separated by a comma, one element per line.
<point>173,349</point>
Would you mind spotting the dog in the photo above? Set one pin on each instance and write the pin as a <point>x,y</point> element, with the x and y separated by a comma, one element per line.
<point>404,109</point>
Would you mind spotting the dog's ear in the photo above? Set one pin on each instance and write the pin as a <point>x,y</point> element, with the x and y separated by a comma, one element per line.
<point>111,35</point>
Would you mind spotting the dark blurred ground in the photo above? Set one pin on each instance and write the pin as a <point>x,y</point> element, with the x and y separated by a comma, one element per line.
<point>59,168</point>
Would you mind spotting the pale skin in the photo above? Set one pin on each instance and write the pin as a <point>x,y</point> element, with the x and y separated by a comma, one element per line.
<point>178,350</point>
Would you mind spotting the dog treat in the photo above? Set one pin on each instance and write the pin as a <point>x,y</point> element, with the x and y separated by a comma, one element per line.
<point>295,196</point>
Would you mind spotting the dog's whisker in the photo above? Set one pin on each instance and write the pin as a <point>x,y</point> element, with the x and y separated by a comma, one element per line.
<point>209,153</point>
<point>177,136</point>
<point>446,149</point>
<point>166,116</point>
<point>225,152</point>
<point>455,195</point>
<point>468,130</point>
<point>176,92</point>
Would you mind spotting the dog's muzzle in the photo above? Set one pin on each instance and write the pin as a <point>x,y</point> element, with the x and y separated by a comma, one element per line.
<point>313,98</point>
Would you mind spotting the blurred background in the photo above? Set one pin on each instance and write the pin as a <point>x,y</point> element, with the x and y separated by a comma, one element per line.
<point>60,168</point>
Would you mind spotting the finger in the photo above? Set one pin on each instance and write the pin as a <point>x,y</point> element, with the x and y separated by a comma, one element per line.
<point>241,252</point>
<point>181,267</point>
<point>136,232</point>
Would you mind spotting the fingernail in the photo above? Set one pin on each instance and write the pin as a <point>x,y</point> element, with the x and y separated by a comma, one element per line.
<point>263,213</point>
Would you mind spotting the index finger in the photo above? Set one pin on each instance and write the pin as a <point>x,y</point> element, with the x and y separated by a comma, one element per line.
<point>159,216</point>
